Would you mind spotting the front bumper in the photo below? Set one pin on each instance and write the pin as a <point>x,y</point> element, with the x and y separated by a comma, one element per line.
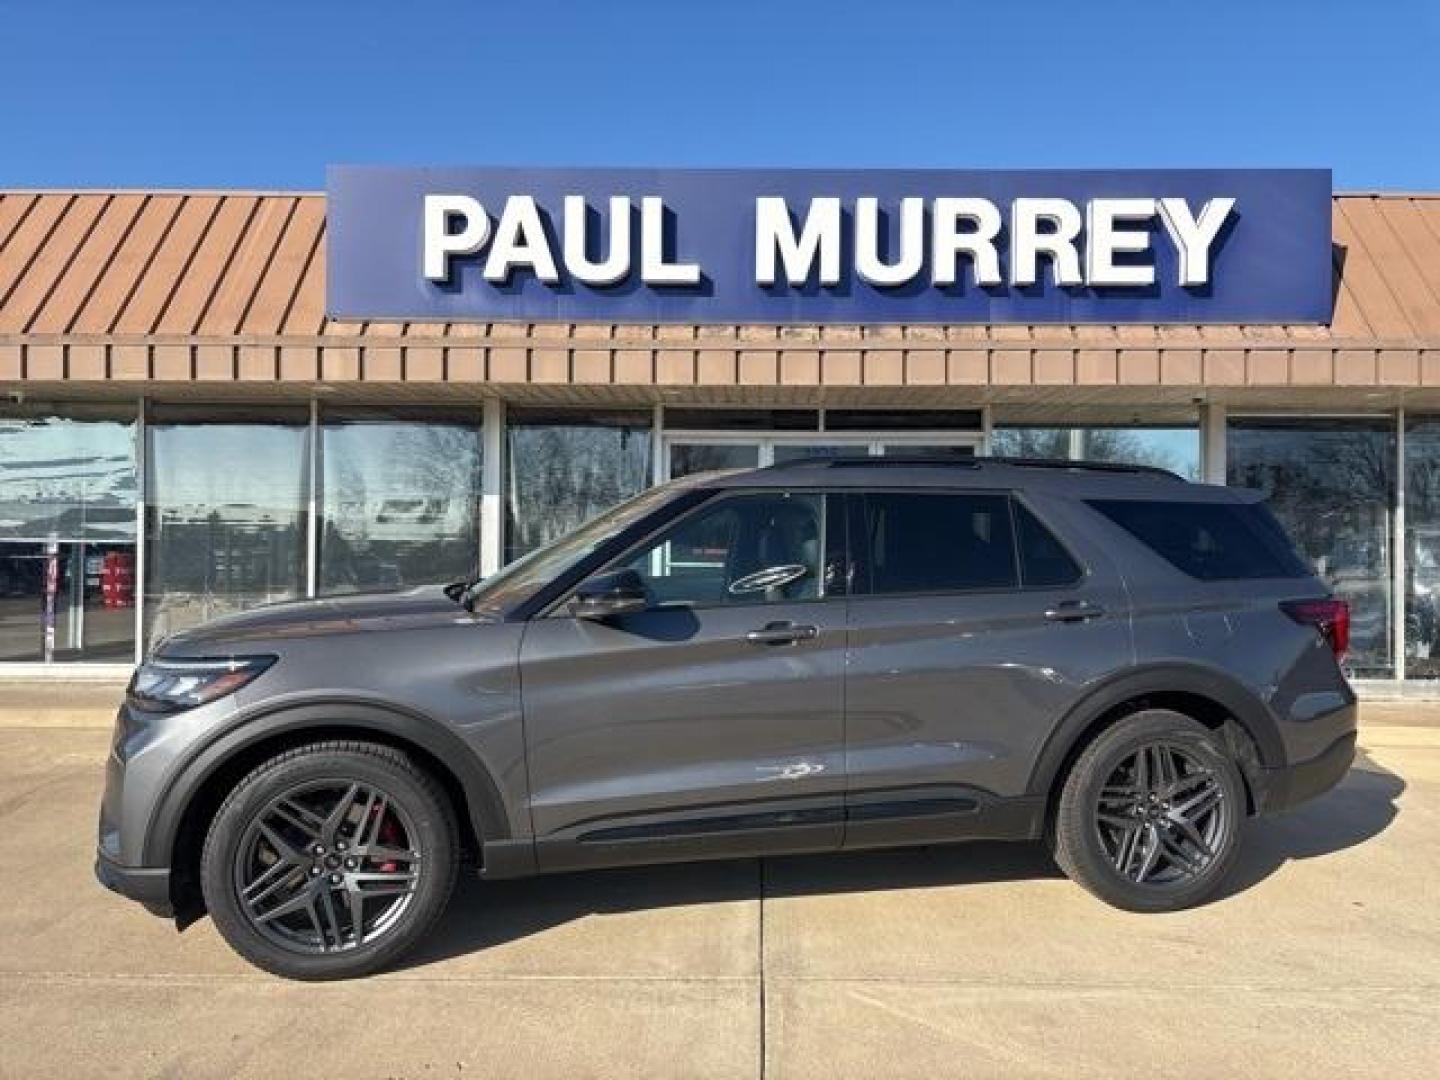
<point>148,886</point>
<point>1292,785</point>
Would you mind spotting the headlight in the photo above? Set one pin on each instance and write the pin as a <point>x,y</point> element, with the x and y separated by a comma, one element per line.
<point>173,685</point>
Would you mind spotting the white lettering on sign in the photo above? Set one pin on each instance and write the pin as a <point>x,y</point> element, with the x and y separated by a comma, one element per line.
<point>442,243</point>
<point>1104,244</point>
<point>819,239</point>
<point>1194,236</point>
<point>982,222</point>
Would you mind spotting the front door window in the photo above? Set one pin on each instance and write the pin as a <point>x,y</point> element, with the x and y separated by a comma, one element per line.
<point>749,549</point>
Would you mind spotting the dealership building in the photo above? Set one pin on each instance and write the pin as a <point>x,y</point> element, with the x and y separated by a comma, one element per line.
<point>195,418</point>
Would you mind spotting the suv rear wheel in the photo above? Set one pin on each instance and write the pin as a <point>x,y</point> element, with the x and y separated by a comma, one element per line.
<point>329,860</point>
<point>1150,815</point>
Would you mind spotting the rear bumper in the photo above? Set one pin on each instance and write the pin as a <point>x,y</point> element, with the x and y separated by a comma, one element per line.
<point>148,886</point>
<point>1292,785</point>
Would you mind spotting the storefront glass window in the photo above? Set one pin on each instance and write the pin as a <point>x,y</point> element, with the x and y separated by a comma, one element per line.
<point>225,515</point>
<point>1331,483</point>
<point>687,458</point>
<point>400,500</point>
<point>1422,548</point>
<point>67,537</point>
<point>567,465</point>
<point>1173,448</point>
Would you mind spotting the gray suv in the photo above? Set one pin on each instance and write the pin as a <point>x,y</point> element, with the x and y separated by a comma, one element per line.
<point>827,655</point>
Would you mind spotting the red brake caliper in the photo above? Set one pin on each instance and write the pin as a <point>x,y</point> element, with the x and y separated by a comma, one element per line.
<point>389,836</point>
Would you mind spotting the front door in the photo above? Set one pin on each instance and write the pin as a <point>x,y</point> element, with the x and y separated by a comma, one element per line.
<point>711,723</point>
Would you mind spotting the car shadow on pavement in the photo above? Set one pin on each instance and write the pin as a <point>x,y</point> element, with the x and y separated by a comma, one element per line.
<point>1361,807</point>
<point>486,914</point>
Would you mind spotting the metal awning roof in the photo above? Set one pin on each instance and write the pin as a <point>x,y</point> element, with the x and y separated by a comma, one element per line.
<point>221,293</point>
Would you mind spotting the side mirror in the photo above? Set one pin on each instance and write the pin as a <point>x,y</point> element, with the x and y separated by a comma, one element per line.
<point>613,592</point>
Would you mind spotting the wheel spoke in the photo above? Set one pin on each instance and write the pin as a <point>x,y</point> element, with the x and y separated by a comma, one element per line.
<point>305,821</point>
<point>282,847</point>
<point>1163,770</point>
<point>338,815</point>
<point>332,921</point>
<point>366,877</point>
<point>1119,793</point>
<point>1151,854</point>
<point>1186,783</point>
<point>299,902</point>
<point>1192,834</point>
<point>386,890</point>
<point>1124,851</point>
<point>1142,769</point>
<point>1177,853</point>
<point>267,884</point>
<point>1198,805</point>
<point>357,911</point>
<point>1123,822</point>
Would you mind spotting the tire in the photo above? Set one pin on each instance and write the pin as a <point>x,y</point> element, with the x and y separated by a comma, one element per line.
<point>1106,818</point>
<point>387,862</point>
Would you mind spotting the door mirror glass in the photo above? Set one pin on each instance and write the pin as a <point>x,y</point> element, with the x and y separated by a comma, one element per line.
<point>612,592</point>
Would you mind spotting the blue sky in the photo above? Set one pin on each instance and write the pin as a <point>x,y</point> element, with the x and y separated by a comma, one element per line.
<point>262,94</point>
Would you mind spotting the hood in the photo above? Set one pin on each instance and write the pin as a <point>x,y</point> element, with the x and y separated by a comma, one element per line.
<point>358,613</point>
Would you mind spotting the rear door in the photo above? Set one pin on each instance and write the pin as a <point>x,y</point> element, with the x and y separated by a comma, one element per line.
<point>972,629</point>
<point>713,722</point>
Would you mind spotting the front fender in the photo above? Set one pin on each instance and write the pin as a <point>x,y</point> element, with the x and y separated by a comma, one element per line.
<point>263,722</point>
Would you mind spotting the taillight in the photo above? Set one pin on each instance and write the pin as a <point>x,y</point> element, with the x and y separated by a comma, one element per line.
<point>1331,617</point>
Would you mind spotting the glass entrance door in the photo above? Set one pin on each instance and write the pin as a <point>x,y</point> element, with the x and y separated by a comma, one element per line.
<point>692,452</point>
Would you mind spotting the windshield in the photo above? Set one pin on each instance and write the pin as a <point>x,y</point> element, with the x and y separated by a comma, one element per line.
<point>514,583</point>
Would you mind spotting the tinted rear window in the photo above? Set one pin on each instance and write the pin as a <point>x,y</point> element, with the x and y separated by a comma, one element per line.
<point>941,542</point>
<point>1209,541</point>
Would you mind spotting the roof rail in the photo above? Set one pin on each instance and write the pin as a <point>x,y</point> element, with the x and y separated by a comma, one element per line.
<point>893,460</point>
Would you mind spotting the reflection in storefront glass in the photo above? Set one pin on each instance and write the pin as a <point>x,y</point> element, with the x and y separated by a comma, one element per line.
<point>566,466</point>
<point>1331,483</point>
<point>67,538</point>
<point>1176,449</point>
<point>400,503</point>
<point>224,518</point>
<point>688,458</point>
<point>1422,548</point>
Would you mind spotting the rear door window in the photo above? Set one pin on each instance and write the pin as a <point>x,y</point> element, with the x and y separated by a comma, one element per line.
<point>1044,562</point>
<point>940,541</point>
<point>1209,541</point>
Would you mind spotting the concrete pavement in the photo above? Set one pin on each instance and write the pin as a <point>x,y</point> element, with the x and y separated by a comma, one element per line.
<point>1322,959</point>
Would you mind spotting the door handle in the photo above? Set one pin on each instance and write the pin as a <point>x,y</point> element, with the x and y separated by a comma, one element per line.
<point>1074,611</point>
<point>781,633</point>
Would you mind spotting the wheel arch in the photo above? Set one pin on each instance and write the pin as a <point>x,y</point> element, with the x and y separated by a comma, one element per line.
<point>1211,697</point>
<point>177,827</point>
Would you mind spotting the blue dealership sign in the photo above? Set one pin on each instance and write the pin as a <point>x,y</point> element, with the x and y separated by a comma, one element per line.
<point>818,246</point>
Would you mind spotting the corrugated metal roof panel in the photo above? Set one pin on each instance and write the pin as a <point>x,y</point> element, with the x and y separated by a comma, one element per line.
<point>220,265</point>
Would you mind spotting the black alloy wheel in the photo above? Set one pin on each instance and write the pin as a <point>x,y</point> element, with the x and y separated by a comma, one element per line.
<point>328,866</point>
<point>1162,815</point>
<point>1149,816</point>
<point>330,860</point>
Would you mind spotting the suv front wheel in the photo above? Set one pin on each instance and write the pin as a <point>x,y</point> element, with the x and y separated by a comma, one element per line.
<point>1150,814</point>
<point>329,860</point>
